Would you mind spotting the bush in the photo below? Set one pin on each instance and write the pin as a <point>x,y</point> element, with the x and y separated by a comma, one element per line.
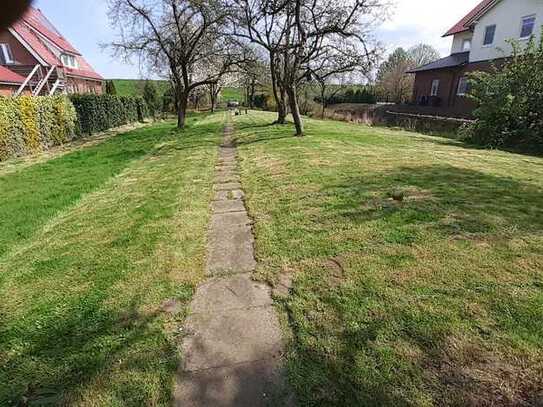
<point>364,95</point>
<point>31,124</point>
<point>509,99</point>
<point>102,112</point>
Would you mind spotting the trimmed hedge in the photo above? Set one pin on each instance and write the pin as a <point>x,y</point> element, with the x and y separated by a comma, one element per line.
<point>32,124</point>
<point>102,112</point>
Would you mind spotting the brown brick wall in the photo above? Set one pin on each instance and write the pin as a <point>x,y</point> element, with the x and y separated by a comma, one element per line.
<point>451,103</point>
<point>20,53</point>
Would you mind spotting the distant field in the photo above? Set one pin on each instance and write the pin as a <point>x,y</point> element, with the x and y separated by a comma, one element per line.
<point>134,87</point>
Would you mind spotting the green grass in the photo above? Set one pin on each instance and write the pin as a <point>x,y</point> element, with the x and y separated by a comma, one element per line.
<point>433,301</point>
<point>134,87</point>
<point>235,94</point>
<point>96,241</point>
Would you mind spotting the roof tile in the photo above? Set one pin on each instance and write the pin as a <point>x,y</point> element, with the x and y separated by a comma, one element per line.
<point>463,25</point>
<point>7,76</point>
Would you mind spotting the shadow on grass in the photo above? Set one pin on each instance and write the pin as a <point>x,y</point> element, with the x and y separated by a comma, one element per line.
<point>470,201</point>
<point>348,350</point>
<point>35,194</point>
<point>83,342</point>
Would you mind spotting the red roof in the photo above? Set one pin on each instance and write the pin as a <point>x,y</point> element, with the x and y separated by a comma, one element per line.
<point>38,21</point>
<point>7,76</point>
<point>465,23</point>
<point>36,30</point>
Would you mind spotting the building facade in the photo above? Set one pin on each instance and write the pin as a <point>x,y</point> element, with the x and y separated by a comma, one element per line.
<point>480,41</point>
<point>33,49</point>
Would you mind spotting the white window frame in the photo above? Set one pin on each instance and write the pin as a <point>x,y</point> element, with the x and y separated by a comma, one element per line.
<point>464,42</point>
<point>493,37</point>
<point>69,60</point>
<point>462,79</point>
<point>7,53</point>
<point>522,20</point>
<point>435,87</point>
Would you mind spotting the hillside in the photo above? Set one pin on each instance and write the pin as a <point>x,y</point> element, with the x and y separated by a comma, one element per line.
<point>134,87</point>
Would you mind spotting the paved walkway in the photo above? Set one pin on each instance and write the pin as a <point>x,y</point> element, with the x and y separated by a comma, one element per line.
<point>232,350</point>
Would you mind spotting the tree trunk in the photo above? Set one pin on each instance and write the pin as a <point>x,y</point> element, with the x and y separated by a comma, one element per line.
<point>295,110</point>
<point>323,101</point>
<point>278,93</point>
<point>212,97</point>
<point>182,111</point>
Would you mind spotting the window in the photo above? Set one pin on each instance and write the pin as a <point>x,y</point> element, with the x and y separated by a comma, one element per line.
<point>435,87</point>
<point>463,86</point>
<point>528,25</point>
<point>466,45</point>
<point>6,56</point>
<point>490,33</point>
<point>69,60</point>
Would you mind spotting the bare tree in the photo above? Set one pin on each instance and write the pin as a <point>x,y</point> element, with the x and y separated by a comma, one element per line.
<point>258,22</point>
<point>183,38</point>
<point>423,54</point>
<point>312,30</point>
<point>335,64</point>
<point>393,83</point>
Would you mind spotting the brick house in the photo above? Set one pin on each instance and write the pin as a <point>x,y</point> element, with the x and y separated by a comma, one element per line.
<point>479,41</point>
<point>33,50</point>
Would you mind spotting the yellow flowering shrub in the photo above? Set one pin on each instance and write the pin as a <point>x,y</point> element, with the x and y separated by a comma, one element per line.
<point>31,124</point>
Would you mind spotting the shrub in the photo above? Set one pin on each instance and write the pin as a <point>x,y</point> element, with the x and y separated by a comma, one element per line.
<point>363,95</point>
<point>509,100</point>
<point>103,112</point>
<point>30,124</point>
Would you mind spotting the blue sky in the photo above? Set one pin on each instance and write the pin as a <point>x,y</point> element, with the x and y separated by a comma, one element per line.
<point>85,24</point>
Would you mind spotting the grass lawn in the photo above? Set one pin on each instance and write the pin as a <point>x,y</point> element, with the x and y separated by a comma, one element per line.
<point>92,246</point>
<point>436,300</point>
<point>134,87</point>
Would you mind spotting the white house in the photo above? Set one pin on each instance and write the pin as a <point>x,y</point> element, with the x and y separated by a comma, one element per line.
<point>481,37</point>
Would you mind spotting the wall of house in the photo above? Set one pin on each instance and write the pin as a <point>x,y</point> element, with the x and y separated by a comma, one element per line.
<point>507,15</point>
<point>458,41</point>
<point>451,104</point>
<point>7,90</point>
<point>80,85</point>
<point>20,53</point>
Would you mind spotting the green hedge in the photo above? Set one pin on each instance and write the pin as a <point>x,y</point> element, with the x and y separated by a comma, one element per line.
<point>103,112</point>
<point>32,124</point>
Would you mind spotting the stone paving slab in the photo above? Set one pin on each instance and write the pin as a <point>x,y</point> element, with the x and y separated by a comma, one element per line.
<point>238,336</point>
<point>221,222</point>
<point>254,384</point>
<point>232,349</point>
<point>235,292</point>
<point>229,186</point>
<point>223,195</point>
<point>232,205</point>
<point>231,251</point>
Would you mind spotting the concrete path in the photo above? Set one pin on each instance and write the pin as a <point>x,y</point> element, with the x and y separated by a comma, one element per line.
<point>232,349</point>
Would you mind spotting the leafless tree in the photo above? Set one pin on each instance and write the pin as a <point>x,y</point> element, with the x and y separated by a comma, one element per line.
<point>254,75</point>
<point>423,54</point>
<point>335,65</point>
<point>184,38</point>
<point>298,32</point>
<point>257,21</point>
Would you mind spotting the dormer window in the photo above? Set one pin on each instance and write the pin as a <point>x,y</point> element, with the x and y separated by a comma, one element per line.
<point>527,29</point>
<point>69,60</point>
<point>490,33</point>
<point>466,45</point>
<point>6,56</point>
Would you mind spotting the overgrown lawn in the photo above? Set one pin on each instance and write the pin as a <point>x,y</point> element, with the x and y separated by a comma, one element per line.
<point>100,251</point>
<point>435,300</point>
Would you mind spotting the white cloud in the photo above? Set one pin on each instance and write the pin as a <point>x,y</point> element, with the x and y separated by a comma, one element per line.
<point>416,21</point>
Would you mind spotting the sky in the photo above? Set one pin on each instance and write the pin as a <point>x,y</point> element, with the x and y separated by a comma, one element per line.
<point>86,25</point>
